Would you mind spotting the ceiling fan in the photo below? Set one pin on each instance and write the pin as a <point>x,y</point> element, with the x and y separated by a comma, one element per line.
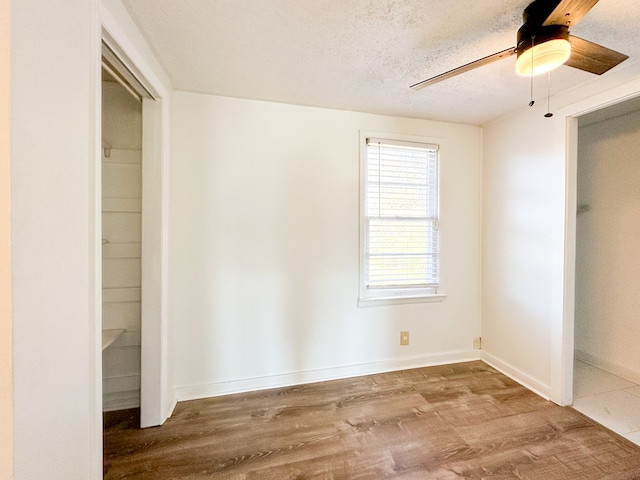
<point>544,43</point>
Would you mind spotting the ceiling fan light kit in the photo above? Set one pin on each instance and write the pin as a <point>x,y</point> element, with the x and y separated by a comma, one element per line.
<point>543,51</point>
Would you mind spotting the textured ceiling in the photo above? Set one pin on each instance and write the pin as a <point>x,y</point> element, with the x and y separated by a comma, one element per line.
<point>362,55</point>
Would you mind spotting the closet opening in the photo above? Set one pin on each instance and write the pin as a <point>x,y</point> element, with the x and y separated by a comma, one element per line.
<point>131,212</point>
<point>606,334</point>
<point>121,218</point>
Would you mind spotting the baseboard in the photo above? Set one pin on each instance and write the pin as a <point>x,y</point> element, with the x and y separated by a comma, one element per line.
<point>519,376</point>
<point>607,366</point>
<point>310,376</point>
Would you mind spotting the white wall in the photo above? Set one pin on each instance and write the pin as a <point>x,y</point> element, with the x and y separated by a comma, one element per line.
<point>54,94</point>
<point>55,141</point>
<point>6,340</point>
<point>264,248</point>
<point>121,254</point>
<point>608,260</point>
<point>523,239</point>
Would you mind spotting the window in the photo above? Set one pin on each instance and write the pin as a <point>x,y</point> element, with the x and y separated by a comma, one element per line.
<point>399,220</point>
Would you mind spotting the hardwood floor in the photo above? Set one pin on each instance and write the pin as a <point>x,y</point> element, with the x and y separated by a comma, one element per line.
<point>457,421</point>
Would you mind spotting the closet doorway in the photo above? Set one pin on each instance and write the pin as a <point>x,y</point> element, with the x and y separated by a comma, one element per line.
<point>132,210</point>
<point>607,281</point>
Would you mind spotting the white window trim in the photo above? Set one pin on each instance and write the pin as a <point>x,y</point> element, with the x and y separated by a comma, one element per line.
<point>382,301</point>
<point>382,297</point>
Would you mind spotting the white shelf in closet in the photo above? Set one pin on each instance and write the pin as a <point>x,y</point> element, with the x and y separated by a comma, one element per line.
<point>110,336</point>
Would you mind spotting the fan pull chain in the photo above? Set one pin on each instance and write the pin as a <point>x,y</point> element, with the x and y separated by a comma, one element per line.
<point>548,114</point>
<point>532,102</point>
<point>379,179</point>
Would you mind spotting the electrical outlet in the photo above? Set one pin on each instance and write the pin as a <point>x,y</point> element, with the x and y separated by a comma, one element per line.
<point>404,338</point>
<point>477,343</point>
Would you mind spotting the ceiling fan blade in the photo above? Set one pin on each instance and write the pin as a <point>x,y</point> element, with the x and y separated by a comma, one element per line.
<point>465,68</point>
<point>591,57</point>
<point>569,12</point>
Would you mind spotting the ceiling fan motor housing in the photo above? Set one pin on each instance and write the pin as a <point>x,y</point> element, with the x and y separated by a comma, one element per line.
<point>538,11</point>
<point>533,31</point>
<point>529,35</point>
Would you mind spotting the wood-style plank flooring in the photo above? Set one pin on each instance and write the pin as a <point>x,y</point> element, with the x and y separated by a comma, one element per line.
<point>456,421</point>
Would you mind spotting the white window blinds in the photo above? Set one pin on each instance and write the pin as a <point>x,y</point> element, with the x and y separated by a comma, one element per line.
<point>401,215</point>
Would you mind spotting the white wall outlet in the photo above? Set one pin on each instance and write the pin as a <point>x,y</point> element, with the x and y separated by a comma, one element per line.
<point>477,343</point>
<point>404,338</point>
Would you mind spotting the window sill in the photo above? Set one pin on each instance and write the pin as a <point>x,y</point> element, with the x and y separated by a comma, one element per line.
<point>382,301</point>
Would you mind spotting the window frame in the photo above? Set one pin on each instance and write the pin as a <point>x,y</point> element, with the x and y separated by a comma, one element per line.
<point>389,296</point>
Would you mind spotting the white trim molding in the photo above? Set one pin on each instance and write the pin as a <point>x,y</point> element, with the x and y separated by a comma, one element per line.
<point>321,375</point>
<point>519,376</point>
